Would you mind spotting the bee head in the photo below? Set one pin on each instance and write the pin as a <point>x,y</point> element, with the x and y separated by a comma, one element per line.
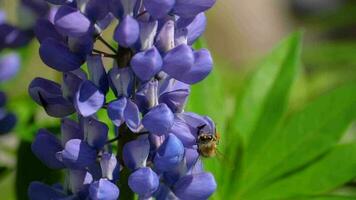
<point>205,138</point>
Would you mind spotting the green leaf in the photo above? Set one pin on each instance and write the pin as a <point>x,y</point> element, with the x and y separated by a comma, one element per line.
<point>329,172</point>
<point>264,101</point>
<point>266,94</point>
<point>307,135</point>
<point>324,198</point>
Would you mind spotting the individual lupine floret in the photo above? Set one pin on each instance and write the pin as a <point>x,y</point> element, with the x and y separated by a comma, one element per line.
<point>78,151</point>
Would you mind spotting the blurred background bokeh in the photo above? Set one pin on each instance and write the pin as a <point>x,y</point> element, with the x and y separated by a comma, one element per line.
<point>239,33</point>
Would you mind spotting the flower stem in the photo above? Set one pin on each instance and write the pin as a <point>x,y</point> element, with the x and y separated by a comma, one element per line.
<point>107,44</point>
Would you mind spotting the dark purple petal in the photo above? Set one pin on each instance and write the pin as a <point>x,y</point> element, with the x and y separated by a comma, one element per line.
<point>178,61</point>
<point>191,8</point>
<point>89,99</point>
<point>58,56</point>
<point>82,46</point>
<point>159,8</point>
<point>3,99</point>
<point>7,123</point>
<point>146,64</point>
<point>191,157</point>
<point>45,147</point>
<point>9,66</point>
<point>79,180</point>
<point>144,181</point>
<point>165,37</point>
<point>103,190</point>
<point>97,9</point>
<point>159,119</point>
<point>127,32</point>
<point>104,23</point>
<point>135,153</point>
<point>45,29</point>
<point>96,132</point>
<point>40,191</point>
<point>175,94</point>
<point>116,111</point>
<point>164,193</point>
<point>77,154</point>
<point>121,81</point>
<point>70,130</point>
<point>132,116</point>
<point>201,69</point>
<point>197,186</point>
<point>196,28</point>
<point>13,37</point>
<point>48,94</point>
<point>148,31</point>
<point>116,8</point>
<point>108,165</point>
<point>71,83</point>
<point>97,73</point>
<point>183,132</point>
<point>71,22</point>
<point>59,2</point>
<point>169,154</point>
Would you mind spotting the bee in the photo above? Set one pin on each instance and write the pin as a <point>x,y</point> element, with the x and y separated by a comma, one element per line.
<point>207,142</point>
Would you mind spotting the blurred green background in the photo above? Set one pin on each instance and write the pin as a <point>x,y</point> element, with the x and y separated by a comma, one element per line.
<point>248,92</point>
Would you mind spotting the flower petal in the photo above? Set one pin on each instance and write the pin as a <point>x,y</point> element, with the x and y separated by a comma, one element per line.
<point>196,28</point>
<point>135,153</point>
<point>108,165</point>
<point>127,32</point>
<point>197,186</point>
<point>45,29</point>
<point>48,94</point>
<point>169,154</point>
<point>71,22</point>
<point>159,8</point>
<point>132,116</point>
<point>40,191</point>
<point>174,93</point>
<point>7,123</point>
<point>70,130</point>
<point>9,66</point>
<point>45,147</point>
<point>97,73</point>
<point>148,31</point>
<point>165,37</point>
<point>96,132</point>
<point>89,99</point>
<point>158,120</point>
<point>183,132</point>
<point>121,81</point>
<point>178,61</point>
<point>146,64</point>
<point>191,8</point>
<point>116,111</point>
<point>58,56</point>
<point>77,154</point>
<point>71,83</point>
<point>97,9</point>
<point>79,180</point>
<point>103,189</point>
<point>202,67</point>
<point>144,181</point>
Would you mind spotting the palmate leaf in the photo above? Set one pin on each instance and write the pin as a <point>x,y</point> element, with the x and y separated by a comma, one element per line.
<point>307,135</point>
<point>329,172</point>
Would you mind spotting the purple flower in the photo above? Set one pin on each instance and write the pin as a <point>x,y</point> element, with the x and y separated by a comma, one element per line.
<point>144,93</point>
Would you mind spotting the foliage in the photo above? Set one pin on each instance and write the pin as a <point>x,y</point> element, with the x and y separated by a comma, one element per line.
<point>268,154</point>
